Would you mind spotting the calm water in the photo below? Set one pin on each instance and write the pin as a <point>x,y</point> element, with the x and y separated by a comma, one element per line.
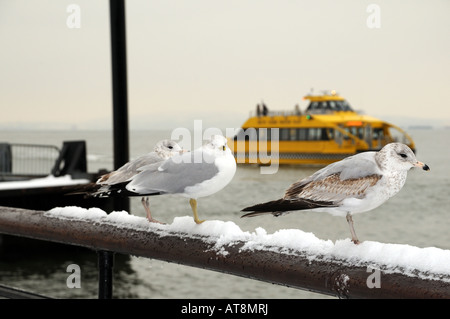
<point>417,216</point>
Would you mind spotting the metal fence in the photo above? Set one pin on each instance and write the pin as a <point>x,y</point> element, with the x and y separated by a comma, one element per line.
<point>330,276</point>
<point>27,159</point>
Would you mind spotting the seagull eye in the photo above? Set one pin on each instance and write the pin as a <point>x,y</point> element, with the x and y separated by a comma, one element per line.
<point>223,148</point>
<point>170,147</point>
<point>403,155</point>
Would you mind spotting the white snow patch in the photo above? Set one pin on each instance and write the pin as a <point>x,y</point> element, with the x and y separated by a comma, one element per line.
<point>222,234</point>
<point>48,181</point>
<point>74,212</point>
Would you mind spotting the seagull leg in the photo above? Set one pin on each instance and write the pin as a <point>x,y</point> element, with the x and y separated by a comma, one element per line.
<point>193,204</point>
<point>355,239</point>
<point>145,202</point>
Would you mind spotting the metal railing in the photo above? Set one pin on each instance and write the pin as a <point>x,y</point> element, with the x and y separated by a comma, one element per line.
<point>287,267</point>
<point>27,159</point>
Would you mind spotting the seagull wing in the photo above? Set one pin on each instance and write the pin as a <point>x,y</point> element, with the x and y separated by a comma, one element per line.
<point>130,169</point>
<point>331,189</point>
<point>350,177</point>
<point>172,176</point>
<point>327,187</point>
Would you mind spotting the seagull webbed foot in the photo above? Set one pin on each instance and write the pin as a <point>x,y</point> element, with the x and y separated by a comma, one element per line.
<point>145,202</point>
<point>355,239</point>
<point>193,204</point>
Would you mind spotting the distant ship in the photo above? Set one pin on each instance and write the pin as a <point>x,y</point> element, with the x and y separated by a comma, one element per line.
<point>327,131</point>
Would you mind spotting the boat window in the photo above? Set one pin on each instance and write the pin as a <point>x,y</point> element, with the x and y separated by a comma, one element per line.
<point>318,134</point>
<point>324,106</point>
<point>378,134</point>
<point>343,106</point>
<point>338,137</point>
<point>361,132</point>
<point>284,134</point>
<point>396,135</point>
<point>333,106</point>
<point>315,134</point>
<point>302,134</point>
<point>329,134</point>
<point>356,131</point>
<point>293,134</point>
<point>378,137</point>
<point>313,106</point>
<point>306,134</point>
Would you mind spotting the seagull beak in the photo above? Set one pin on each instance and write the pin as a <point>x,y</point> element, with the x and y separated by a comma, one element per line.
<point>183,151</point>
<point>422,165</point>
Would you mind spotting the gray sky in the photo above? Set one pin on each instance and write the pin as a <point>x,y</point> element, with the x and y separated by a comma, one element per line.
<point>215,60</point>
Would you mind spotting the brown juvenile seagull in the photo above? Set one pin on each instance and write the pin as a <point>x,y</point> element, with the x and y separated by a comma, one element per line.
<point>356,184</point>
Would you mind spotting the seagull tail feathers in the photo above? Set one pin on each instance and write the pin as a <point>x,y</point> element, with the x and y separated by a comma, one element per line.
<point>280,206</point>
<point>86,189</point>
<point>98,190</point>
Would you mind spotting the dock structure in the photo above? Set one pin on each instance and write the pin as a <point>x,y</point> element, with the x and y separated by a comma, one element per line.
<point>329,275</point>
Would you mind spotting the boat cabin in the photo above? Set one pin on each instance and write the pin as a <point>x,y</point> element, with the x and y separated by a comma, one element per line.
<point>328,130</point>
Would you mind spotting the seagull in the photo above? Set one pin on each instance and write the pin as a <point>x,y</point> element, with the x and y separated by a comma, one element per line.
<point>202,172</point>
<point>356,184</point>
<point>110,183</point>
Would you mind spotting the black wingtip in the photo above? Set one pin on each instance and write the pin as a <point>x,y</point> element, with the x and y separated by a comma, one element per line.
<point>264,207</point>
<point>85,189</point>
<point>277,207</point>
<point>254,214</point>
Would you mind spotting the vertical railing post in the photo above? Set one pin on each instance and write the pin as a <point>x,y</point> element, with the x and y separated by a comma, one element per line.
<point>120,129</point>
<point>105,274</point>
<point>119,83</point>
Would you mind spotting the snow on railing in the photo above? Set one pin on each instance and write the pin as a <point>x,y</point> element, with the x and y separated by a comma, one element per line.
<point>288,257</point>
<point>47,181</point>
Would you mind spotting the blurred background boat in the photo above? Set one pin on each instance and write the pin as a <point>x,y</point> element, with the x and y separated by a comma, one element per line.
<point>327,131</point>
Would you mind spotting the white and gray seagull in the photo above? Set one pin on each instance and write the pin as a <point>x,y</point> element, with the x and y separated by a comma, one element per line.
<point>356,184</point>
<point>111,183</point>
<point>202,172</point>
<point>170,170</point>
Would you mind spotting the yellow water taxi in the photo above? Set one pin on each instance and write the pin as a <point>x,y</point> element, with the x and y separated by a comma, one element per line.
<point>327,131</point>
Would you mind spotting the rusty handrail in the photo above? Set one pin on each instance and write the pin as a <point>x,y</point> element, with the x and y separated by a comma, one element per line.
<point>291,268</point>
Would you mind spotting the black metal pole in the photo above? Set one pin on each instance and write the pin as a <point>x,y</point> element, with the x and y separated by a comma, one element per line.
<point>119,87</point>
<point>105,274</point>
<point>120,129</point>
<point>120,94</point>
